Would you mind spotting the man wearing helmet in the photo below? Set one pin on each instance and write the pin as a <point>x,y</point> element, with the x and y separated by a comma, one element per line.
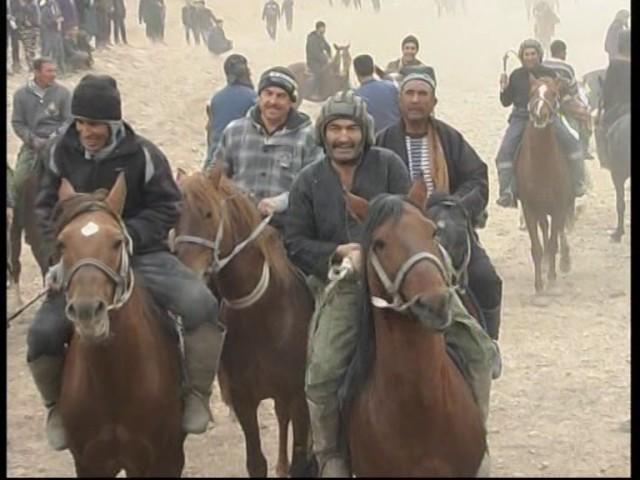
<point>319,233</point>
<point>514,90</point>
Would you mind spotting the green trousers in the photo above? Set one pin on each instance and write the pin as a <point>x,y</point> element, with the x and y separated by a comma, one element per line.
<point>25,166</point>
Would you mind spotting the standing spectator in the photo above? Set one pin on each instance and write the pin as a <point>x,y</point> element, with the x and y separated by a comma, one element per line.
<point>287,11</point>
<point>381,96</point>
<point>51,32</point>
<point>152,13</point>
<point>620,23</point>
<point>104,10</point>
<point>69,15</point>
<point>119,14</point>
<point>271,14</point>
<point>28,22</point>
<point>230,103</point>
<point>12,36</point>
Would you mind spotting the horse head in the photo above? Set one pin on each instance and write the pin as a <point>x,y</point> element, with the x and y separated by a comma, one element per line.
<point>95,251</point>
<point>544,100</point>
<point>404,263</point>
<point>341,63</point>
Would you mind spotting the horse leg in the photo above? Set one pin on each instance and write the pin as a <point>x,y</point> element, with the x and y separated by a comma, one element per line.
<point>93,470</point>
<point>556,227</point>
<point>544,228</point>
<point>616,236</point>
<point>565,256</point>
<point>536,248</point>
<point>247,413</point>
<point>15,239</point>
<point>521,223</point>
<point>282,413</point>
<point>302,462</point>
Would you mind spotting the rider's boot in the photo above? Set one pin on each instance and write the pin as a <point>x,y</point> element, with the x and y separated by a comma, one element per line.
<point>203,347</point>
<point>325,430</point>
<point>47,375</point>
<point>492,318</point>
<point>576,163</point>
<point>505,179</point>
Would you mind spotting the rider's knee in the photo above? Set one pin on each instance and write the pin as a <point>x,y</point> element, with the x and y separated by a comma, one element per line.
<point>196,306</point>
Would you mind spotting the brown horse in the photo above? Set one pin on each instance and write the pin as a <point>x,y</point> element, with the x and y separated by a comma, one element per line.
<point>334,77</point>
<point>121,398</point>
<point>265,305</point>
<point>409,409</point>
<point>544,182</point>
<point>25,221</point>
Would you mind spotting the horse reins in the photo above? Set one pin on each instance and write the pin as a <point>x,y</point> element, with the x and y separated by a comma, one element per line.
<point>217,263</point>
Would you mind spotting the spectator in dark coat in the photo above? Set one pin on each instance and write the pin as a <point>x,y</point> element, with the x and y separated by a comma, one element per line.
<point>119,28</point>
<point>621,22</point>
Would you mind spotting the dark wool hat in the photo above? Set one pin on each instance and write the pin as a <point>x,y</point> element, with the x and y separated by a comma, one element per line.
<point>280,77</point>
<point>96,97</point>
<point>411,39</point>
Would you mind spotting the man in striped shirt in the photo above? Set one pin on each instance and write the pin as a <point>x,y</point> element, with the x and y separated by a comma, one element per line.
<point>439,154</point>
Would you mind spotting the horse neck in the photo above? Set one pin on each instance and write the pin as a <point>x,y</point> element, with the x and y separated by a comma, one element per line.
<point>543,145</point>
<point>408,356</point>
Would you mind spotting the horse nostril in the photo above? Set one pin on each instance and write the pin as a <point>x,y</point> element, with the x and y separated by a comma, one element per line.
<point>100,308</point>
<point>71,310</point>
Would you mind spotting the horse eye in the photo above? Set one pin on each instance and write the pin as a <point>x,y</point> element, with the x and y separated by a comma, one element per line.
<point>378,244</point>
<point>208,215</point>
<point>117,243</point>
<point>60,246</point>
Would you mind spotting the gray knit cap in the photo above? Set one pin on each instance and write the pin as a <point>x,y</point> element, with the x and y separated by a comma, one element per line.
<point>531,43</point>
<point>423,77</point>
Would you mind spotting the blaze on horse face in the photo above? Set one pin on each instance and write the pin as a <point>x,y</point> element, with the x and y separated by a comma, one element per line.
<point>544,101</point>
<point>95,235</point>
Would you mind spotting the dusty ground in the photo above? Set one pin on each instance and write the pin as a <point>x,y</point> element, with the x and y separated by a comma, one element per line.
<point>563,403</point>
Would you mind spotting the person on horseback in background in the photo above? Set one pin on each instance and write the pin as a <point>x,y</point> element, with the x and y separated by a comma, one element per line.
<point>90,154</point>
<point>41,109</point>
<point>514,90</point>
<point>264,151</point>
<point>616,91</point>
<point>565,71</point>
<point>321,233</point>
<point>409,60</point>
<point>619,24</point>
<point>439,154</point>
<point>230,103</point>
<point>318,53</point>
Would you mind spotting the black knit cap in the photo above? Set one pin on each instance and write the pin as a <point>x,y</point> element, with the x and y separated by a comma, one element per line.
<point>96,97</point>
<point>411,39</point>
<point>280,77</point>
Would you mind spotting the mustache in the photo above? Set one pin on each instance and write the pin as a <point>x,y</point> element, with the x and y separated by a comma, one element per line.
<point>343,145</point>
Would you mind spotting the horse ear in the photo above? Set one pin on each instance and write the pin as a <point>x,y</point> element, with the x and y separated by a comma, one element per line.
<point>180,175</point>
<point>357,207</point>
<point>336,47</point>
<point>418,193</point>
<point>117,195</point>
<point>215,174</point>
<point>66,190</point>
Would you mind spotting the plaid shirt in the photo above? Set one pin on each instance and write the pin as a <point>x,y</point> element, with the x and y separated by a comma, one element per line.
<point>267,165</point>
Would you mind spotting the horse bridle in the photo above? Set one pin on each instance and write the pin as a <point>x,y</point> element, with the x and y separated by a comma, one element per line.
<point>124,279</point>
<point>217,263</point>
<point>553,107</point>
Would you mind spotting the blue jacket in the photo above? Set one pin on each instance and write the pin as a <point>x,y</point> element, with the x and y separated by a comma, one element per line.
<point>381,97</point>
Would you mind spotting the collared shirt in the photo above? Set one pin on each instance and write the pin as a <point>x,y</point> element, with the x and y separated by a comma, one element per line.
<point>262,164</point>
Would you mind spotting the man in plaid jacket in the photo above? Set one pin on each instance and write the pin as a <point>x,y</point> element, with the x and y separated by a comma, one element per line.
<point>264,151</point>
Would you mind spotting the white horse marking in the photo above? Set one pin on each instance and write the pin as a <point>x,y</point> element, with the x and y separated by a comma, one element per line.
<point>90,229</point>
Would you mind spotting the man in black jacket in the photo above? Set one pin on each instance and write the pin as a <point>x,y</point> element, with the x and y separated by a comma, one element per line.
<point>90,154</point>
<point>318,53</point>
<point>437,152</point>
<point>514,90</point>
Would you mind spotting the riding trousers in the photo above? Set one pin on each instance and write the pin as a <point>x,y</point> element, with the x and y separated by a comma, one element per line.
<point>171,284</point>
<point>513,137</point>
<point>484,281</point>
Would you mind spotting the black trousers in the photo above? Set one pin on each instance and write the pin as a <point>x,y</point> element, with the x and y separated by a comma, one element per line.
<point>119,30</point>
<point>484,281</point>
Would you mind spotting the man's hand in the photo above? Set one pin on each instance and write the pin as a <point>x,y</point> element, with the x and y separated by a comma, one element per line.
<point>9,215</point>
<point>37,143</point>
<point>54,277</point>
<point>504,81</point>
<point>352,251</point>
<point>267,206</point>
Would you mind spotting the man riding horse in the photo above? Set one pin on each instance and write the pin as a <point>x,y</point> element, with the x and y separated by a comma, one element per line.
<point>318,53</point>
<point>409,60</point>
<point>90,154</point>
<point>439,154</point>
<point>514,90</point>
<point>321,232</point>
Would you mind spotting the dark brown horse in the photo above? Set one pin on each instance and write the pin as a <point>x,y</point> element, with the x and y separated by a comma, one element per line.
<point>265,305</point>
<point>121,398</point>
<point>410,411</point>
<point>24,220</point>
<point>543,181</point>
<point>334,78</point>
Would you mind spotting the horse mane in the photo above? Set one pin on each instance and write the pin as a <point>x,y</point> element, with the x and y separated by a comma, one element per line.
<point>383,208</point>
<point>241,214</point>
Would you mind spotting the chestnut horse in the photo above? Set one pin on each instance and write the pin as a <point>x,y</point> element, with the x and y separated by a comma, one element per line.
<point>543,181</point>
<point>334,77</point>
<point>120,399</point>
<point>265,305</point>
<point>409,411</point>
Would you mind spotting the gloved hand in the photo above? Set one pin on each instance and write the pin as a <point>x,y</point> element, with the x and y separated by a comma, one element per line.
<point>54,278</point>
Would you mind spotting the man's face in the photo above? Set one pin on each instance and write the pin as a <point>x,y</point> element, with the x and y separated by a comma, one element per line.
<point>46,75</point>
<point>409,51</point>
<point>274,104</point>
<point>530,58</point>
<point>343,136</point>
<point>94,135</point>
<point>417,101</point>
<point>321,30</point>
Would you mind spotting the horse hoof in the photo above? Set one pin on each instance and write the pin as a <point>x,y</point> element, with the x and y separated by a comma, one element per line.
<point>539,300</point>
<point>616,237</point>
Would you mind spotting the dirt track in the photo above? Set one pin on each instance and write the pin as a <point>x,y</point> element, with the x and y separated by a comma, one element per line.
<point>563,403</point>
